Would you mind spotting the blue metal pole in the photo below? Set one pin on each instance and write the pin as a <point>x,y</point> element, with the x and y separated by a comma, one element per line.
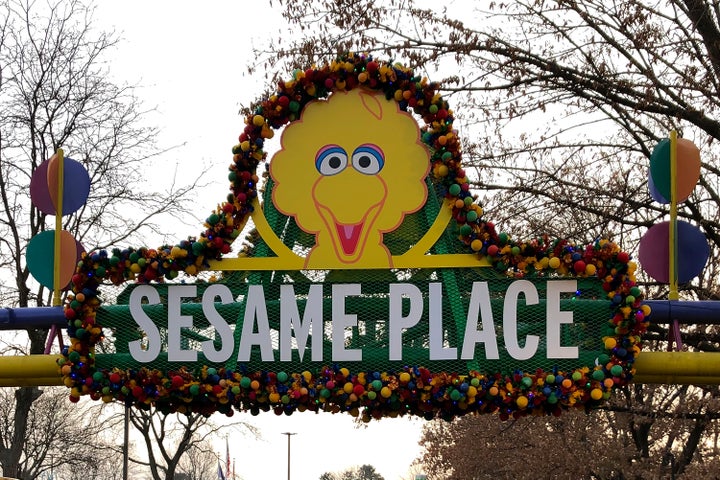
<point>31,317</point>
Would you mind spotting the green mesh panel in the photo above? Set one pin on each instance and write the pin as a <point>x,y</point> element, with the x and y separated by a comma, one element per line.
<point>371,334</point>
<point>590,316</point>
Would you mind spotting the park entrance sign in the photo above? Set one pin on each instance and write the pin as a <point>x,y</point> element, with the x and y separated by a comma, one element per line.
<point>294,330</point>
<point>369,281</point>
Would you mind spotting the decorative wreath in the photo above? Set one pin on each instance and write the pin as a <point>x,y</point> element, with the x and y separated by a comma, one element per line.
<point>413,390</point>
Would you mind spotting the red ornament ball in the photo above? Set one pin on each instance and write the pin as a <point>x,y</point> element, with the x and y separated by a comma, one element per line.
<point>579,266</point>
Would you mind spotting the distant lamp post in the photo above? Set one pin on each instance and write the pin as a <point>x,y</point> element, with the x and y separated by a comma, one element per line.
<point>289,434</point>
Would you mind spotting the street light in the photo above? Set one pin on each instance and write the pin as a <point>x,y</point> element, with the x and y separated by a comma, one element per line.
<point>289,434</point>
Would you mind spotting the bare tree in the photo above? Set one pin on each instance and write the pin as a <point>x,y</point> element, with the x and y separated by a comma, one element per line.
<point>169,437</point>
<point>361,472</point>
<point>55,92</point>
<point>60,435</point>
<point>560,104</point>
<point>199,462</point>
<point>574,445</point>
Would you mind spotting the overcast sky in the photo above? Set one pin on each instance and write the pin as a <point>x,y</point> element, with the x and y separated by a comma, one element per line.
<point>191,63</point>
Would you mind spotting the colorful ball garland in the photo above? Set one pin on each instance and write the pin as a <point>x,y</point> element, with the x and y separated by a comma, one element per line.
<point>414,390</point>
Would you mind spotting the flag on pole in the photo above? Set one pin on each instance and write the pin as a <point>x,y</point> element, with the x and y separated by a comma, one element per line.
<point>221,475</point>
<point>227,458</point>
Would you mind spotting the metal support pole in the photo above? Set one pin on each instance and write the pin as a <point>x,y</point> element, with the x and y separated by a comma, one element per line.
<point>126,448</point>
<point>289,434</point>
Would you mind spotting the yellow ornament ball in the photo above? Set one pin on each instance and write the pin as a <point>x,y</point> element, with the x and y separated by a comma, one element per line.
<point>590,270</point>
<point>610,343</point>
<point>476,245</point>
<point>596,394</point>
<point>522,401</point>
<point>554,262</point>
<point>258,120</point>
<point>385,392</point>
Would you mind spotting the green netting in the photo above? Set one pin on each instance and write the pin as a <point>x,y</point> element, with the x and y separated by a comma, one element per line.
<point>371,333</point>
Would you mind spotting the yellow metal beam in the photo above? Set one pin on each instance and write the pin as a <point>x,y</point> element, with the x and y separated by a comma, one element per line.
<point>30,370</point>
<point>684,368</point>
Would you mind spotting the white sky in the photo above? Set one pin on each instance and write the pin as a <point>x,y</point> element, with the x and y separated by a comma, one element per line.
<point>191,62</point>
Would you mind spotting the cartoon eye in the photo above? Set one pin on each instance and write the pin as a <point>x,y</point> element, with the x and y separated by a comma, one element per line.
<point>331,160</point>
<point>368,159</point>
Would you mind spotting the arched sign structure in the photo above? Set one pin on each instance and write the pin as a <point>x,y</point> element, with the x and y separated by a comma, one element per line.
<point>373,285</point>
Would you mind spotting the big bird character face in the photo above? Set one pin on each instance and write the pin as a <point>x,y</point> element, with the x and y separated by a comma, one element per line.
<point>350,169</point>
